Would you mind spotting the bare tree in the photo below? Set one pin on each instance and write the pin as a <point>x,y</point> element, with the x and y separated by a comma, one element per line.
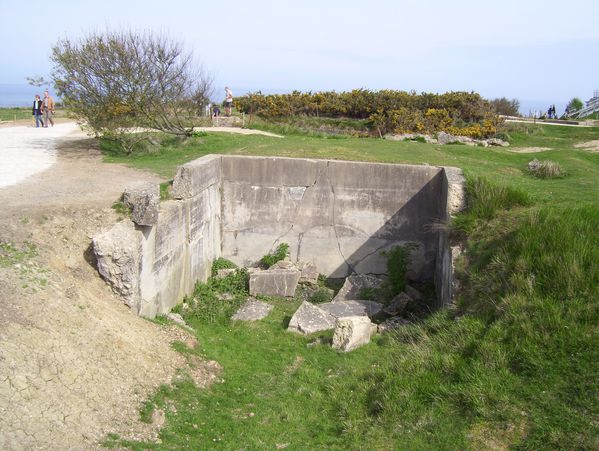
<point>114,81</point>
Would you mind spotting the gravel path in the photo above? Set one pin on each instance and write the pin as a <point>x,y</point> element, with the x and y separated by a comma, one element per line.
<point>75,363</point>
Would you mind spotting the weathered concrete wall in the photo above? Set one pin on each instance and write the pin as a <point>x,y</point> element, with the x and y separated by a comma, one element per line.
<point>154,267</point>
<point>338,214</point>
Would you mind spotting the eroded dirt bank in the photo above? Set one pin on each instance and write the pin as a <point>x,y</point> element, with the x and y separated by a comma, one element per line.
<point>75,363</point>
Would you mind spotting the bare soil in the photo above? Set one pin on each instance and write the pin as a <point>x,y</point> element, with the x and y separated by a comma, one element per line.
<point>75,363</point>
<point>591,146</point>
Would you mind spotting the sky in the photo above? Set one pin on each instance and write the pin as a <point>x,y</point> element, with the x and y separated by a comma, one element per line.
<point>531,50</point>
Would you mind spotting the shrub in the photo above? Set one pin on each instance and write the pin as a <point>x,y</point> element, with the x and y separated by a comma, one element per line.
<point>545,169</point>
<point>222,263</point>
<point>397,266</point>
<point>280,253</point>
<point>321,295</point>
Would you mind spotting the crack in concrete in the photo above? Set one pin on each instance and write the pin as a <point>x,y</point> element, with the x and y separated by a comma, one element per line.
<point>334,225</point>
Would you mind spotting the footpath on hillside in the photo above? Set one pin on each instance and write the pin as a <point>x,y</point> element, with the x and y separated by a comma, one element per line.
<point>75,363</point>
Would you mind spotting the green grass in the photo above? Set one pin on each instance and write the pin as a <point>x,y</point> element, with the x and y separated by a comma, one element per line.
<point>515,364</point>
<point>496,164</point>
<point>11,114</point>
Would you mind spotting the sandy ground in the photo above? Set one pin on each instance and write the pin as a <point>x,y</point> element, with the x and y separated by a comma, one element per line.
<point>591,146</point>
<point>75,363</point>
<point>528,149</point>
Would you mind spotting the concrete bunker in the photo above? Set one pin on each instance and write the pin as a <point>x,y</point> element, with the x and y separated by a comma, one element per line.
<point>339,215</point>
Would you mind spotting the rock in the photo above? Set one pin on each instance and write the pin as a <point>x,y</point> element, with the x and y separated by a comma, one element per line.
<point>392,324</point>
<point>352,332</point>
<point>222,273</point>
<point>118,256</point>
<point>175,317</point>
<point>309,318</point>
<point>340,309</point>
<point>225,296</point>
<point>158,418</point>
<point>274,282</point>
<point>497,142</point>
<point>398,304</point>
<point>143,198</point>
<point>355,285</point>
<point>283,264</point>
<point>252,310</point>
<point>309,273</point>
<point>413,293</point>
<point>445,138</point>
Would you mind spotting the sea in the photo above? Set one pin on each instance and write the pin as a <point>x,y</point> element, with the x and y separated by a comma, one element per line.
<point>22,95</point>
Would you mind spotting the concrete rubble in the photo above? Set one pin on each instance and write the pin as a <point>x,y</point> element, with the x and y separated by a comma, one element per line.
<point>352,332</point>
<point>274,282</point>
<point>310,318</point>
<point>143,199</point>
<point>252,310</point>
<point>340,309</point>
<point>398,304</point>
<point>356,285</point>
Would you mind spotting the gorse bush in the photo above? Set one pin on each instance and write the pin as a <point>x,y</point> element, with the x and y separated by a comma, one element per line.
<point>387,111</point>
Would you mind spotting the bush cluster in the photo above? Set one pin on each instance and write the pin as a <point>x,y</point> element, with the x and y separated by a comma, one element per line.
<point>463,113</point>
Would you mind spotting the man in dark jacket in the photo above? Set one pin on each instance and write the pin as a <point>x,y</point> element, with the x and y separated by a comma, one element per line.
<point>37,111</point>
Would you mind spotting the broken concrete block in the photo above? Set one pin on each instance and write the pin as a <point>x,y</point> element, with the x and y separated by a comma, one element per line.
<point>283,264</point>
<point>342,309</point>
<point>143,198</point>
<point>118,254</point>
<point>274,282</point>
<point>398,304</point>
<point>356,285</point>
<point>309,318</point>
<point>194,177</point>
<point>309,273</point>
<point>352,332</point>
<point>252,310</point>
<point>413,293</point>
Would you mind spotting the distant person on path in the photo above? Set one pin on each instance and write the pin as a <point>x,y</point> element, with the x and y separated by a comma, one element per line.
<point>37,111</point>
<point>48,109</point>
<point>228,101</point>
<point>216,111</point>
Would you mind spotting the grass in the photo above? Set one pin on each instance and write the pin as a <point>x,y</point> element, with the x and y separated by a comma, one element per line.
<point>515,364</point>
<point>11,114</point>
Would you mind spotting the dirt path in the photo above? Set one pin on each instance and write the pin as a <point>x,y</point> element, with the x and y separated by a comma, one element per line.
<point>75,363</point>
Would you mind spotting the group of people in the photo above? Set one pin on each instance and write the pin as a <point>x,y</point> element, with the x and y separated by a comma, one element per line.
<point>228,104</point>
<point>43,110</point>
<point>551,113</point>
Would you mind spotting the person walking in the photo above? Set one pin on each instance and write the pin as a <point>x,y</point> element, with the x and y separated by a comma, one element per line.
<point>228,101</point>
<point>48,109</point>
<point>37,111</point>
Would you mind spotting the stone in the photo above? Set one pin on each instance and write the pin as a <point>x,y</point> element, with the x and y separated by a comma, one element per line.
<point>398,304</point>
<point>497,142</point>
<point>352,332</point>
<point>446,138</point>
<point>194,177</point>
<point>274,282</point>
<point>252,310</point>
<point>283,264</point>
<point>225,272</point>
<point>340,309</point>
<point>309,318</point>
<point>413,293</point>
<point>143,198</point>
<point>355,285</point>
<point>118,256</point>
<point>309,273</point>
<point>175,317</point>
<point>392,324</point>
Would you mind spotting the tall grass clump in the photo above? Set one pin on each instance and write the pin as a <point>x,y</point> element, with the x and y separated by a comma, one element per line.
<point>280,253</point>
<point>485,200</point>
<point>545,169</point>
<point>517,371</point>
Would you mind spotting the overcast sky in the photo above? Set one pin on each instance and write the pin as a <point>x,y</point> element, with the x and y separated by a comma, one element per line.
<point>536,50</point>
